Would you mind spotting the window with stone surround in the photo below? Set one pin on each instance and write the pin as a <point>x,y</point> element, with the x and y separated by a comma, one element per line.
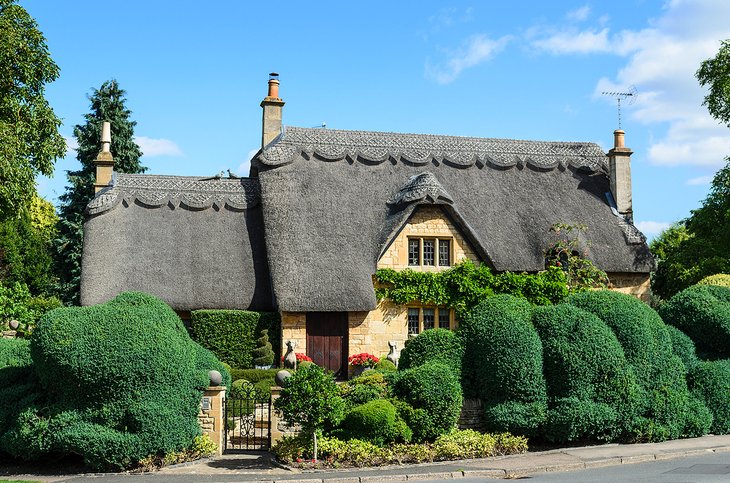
<point>429,252</point>
<point>424,318</point>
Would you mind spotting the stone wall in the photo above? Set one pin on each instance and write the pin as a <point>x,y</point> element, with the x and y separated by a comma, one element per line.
<point>636,284</point>
<point>212,414</point>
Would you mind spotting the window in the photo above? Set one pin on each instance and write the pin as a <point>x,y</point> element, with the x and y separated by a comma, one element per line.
<point>425,318</point>
<point>429,252</point>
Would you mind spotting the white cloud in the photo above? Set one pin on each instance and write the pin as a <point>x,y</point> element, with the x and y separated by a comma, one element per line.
<point>575,42</point>
<point>475,50</point>
<point>579,14</point>
<point>71,145</point>
<point>157,147</point>
<point>245,167</point>
<point>700,180</point>
<point>652,228</point>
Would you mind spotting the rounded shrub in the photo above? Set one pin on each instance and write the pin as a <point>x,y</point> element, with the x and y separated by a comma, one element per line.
<point>433,345</point>
<point>121,380</point>
<point>367,387</point>
<point>18,384</point>
<point>683,347</point>
<point>660,374</point>
<point>384,365</point>
<point>503,363</point>
<point>703,313</point>
<point>587,375</point>
<point>722,279</point>
<point>434,389</point>
<point>376,421</point>
<point>710,383</point>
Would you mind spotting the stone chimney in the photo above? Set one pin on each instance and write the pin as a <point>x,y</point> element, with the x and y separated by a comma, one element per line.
<point>273,107</point>
<point>104,161</point>
<point>619,166</point>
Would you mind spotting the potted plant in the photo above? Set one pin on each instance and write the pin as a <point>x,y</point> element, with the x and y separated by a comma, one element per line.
<point>362,362</point>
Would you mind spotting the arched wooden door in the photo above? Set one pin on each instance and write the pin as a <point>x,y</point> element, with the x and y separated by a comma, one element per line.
<point>327,341</point>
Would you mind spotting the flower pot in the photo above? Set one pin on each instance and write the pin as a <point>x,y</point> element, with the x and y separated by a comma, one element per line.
<point>359,370</point>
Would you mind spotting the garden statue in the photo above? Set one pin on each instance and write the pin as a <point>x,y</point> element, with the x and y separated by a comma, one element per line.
<point>392,354</point>
<point>290,358</point>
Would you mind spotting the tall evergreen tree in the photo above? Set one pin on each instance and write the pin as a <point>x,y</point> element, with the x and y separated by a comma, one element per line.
<point>107,104</point>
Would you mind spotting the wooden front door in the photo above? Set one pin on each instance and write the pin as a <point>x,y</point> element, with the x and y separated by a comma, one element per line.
<point>327,341</point>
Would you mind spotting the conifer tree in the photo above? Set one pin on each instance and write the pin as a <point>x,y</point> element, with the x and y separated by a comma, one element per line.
<point>107,104</point>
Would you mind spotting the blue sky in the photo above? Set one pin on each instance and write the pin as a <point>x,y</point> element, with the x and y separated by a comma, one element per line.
<point>195,73</point>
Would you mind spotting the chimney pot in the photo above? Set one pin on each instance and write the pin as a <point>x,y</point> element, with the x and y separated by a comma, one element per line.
<point>619,166</point>
<point>272,112</point>
<point>106,137</point>
<point>618,138</point>
<point>104,161</point>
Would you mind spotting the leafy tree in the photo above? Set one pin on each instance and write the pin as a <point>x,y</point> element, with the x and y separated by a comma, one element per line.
<point>702,249</point>
<point>107,104</point>
<point>311,398</point>
<point>29,138</point>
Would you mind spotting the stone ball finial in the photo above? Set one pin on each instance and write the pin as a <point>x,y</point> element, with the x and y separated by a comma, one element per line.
<point>281,377</point>
<point>215,378</point>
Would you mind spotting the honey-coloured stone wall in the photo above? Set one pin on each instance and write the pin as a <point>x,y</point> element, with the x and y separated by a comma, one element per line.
<point>636,284</point>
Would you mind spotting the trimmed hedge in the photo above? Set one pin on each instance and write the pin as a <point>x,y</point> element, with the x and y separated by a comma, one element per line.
<point>647,345</point>
<point>503,364</point>
<point>376,421</point>
<point>18,384</point>
<point>710,383</point>
<point>703,313</point>
<point>433,345</point>
<point>231,334</point>
<point>592,388</point>
<point>367,387</point>
<point>120,381</point>
<point>434,393</point>
<point>722,279</point>
<point>683,347</point>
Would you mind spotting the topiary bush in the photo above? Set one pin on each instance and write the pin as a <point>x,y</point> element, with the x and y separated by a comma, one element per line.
<point>376,421</point>
<point>703,313</point>
<point>231,334</point>
<point>434,393</point>
<point>18,384</point>
<point>660,374</point>
<point>263,355</point>
<point>384,365</point>
<point>683,347</point>
<point>433,345</point>
<point>503,364</point>
<point>722,279</point>
<point>592,388</point>
<point>367,387</point>
<point>120,381</point>
<point>709,382</point>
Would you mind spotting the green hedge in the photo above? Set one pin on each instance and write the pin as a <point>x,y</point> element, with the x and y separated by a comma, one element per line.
<point>434,345</point>
<point>703,313</point>
<point>503,364</point>
<point>232,334</point>
<point>434,393</point>
<point>683,347</point>
<point>376,421</point>
<point>120,381</point>
<point>647,345</point>
<point>591,386</point>
<point>710,383</point>
<point>369,386</point>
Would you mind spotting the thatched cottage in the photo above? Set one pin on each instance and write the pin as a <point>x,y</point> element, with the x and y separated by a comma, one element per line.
<point>323,209</point>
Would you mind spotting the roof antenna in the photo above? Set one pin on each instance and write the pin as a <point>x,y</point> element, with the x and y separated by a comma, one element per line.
<point>629,96</point>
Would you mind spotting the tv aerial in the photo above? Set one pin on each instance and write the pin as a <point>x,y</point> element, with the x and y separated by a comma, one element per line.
<point>629,96</point>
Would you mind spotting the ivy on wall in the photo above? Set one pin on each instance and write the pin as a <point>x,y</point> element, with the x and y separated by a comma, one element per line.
<point>465,284</point>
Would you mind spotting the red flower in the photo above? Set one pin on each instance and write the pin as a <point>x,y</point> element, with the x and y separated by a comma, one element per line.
<point>363,359</point>
<point>300,357</point>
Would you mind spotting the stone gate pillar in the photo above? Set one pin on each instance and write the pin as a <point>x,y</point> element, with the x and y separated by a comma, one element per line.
<point>212,415</point>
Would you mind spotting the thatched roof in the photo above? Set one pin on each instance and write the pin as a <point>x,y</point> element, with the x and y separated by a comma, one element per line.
<point>194,242</point>
<point>334,200</point>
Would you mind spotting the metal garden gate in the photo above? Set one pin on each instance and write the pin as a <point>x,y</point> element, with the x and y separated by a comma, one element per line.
<point>248,424</point>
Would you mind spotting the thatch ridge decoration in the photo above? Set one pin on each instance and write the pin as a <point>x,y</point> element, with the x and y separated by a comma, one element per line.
<point>421,187</point>
<point>188,191</point>
<point>421,149</point>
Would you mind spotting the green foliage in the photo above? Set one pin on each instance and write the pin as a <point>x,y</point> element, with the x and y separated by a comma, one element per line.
<point>376,421</point>
<point>108,103</point>
<point>384,365</point>
<point>568,255</point>
<point>503,364</point>
<point>699,418</point>
<point>721,279</point>
<point>647,345</point>
<point>703,313</point>
<point>119,381</point>
<point>311,398</point>
<point>703,251</point>
<point>434,345</point>
<point>16,303</point>
<point>710,383</point>
<point>263,355</point>
<point>369,386</point>
<point>683,347</point>
<point>231,334</point>
<point>25,255</point>
<point>592,389</point>
<point>715,74</point>
<point>433,388</point>
<point>29,137</point>
<point>462,286</point>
